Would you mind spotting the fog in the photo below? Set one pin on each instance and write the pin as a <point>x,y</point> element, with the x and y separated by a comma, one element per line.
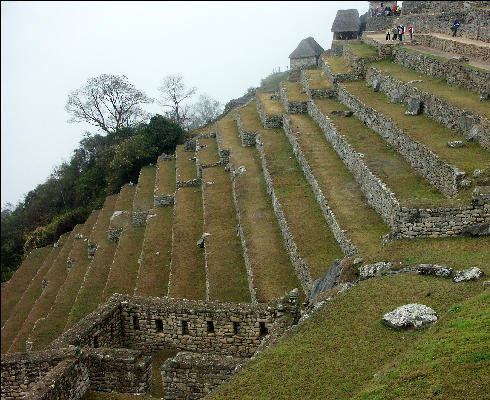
<point>51,48</point>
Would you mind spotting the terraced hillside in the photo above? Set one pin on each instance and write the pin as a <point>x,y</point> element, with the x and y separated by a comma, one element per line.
<point>330,168</point>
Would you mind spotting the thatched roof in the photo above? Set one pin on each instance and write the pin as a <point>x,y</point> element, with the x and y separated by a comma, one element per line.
<point>346,21</point>
<point>307,48</point>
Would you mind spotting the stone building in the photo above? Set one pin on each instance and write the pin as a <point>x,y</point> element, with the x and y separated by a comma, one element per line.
<point>380,6</point>
<point>346,25</point>
<point>306,54</point>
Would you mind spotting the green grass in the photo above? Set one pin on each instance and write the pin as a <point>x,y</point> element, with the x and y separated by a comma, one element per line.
<point>338,65</point>
<point>209,154</point>
<point>227,274</point>
<point>273,274</point>
<point>363,50</point>
<point>90,294</point>
<point>362,224</point>
<point>14,288</point>
<point>270,107</point>
<point>154,269</point>
<point>316,244</point>
<point>125,199</point>
<point>124,269</point>
<point>143,198</point>
<point>52,326</point>
<point>165,177</point>
<point>295,91</point>
<point>384,161</point>
<point>273,81</point>
<point>452,363</point>
<point>316,80</point>
<point>188,275</point>
<point>339,349</point>
<point>440,58</point>
<point>425,130</point>
<point>55,277</point>
<point>457,96</point>
<point>93,395</point>
<point>186,168</point>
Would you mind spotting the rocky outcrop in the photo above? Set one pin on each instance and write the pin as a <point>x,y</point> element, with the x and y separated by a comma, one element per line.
<point>471,274</point>
<point>410,316</point>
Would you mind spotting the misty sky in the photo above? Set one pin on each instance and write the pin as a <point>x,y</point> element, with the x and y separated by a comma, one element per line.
<point>51,48</point>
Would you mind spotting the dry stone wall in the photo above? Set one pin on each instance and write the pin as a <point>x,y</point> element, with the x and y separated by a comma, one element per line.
<point>345,243</point>
<point>314,93</point>
<point>299,265</point>
<point>193,375</point>
<point>446,178</point>
<point>335,78</point>
<point>300,63</point>
<point>454,73</point>
<point>472,126</point>
<point>247,137</point>
<point>292,107</point>
<point>358,64</point>
<point>268,121</point>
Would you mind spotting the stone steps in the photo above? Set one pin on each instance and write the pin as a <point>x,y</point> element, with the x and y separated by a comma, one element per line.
<point>429,154</point>
<point>55,278</point>
<point>270,273</point>
<point>51,326</point>
<point>30,295</point>
<point>355,224</point>
<point>90,294</point>
<point>157,244</point>
<point>125,265</point>
<point>226,275</point>
<point>456,108</point>
<point>14,288</point>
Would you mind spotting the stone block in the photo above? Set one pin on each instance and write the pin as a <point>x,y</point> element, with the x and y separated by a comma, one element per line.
<point>414,106</point>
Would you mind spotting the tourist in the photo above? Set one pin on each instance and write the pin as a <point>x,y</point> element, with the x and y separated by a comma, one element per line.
<point>400,32</point>
<point>388,31</point>
<point>456,25</point>
<point>395,32</point>
<point>410,30</point>
<point>398,10</point>
<point>393,10</point>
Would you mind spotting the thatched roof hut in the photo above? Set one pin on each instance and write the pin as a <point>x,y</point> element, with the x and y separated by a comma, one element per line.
<point>307,48</point>
<point>346,21</point>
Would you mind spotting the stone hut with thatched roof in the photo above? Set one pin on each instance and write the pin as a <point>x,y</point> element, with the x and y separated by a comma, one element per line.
<point>346,25</point>
<point>306,54</point>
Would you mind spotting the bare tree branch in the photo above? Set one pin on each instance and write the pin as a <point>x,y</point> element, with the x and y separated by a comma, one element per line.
<point>173,92</point>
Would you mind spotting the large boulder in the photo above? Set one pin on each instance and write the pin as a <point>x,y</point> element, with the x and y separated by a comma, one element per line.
<point>471,274</point>
<point>372,270</point>
<point>414,106</point>
<point>410,316</point>
<point>327,281</point>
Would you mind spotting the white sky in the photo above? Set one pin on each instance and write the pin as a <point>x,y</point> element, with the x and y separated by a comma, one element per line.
<point>51,48</point>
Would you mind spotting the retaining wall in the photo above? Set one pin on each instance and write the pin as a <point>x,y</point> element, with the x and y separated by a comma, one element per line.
<point>471,125</point>
<point>314,93</point>
<point>292,107</point>
<point>268,121</point>
<point>300,267</point>
<point>336,78</point>
<point>446,178</point>
<point>345,243</point>
<point>454,73</point>
<point>247,137</point>
<point>192,376</point>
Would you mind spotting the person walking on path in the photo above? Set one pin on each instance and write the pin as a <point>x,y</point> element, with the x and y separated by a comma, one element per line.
<point>456,25</point>
<point>410,31</point>
<point>388,32</point>
<point>400,32</point>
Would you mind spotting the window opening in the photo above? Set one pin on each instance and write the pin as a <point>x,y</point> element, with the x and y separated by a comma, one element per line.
<point>159,325</point>
<point>210,326</point>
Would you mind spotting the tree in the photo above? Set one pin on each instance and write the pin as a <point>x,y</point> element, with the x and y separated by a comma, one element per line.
<point>108,102</point>
<point>173,92</point>
<point>205,111</point>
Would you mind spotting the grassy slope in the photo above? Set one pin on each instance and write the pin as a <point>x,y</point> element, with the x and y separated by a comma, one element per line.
<point>363,50</point>
<point>338,65</point>
<point>226,268</point>
<point>165,177</point>
<point>451,363</point>
<point>460,97</point>
<point>186,168</point>
<point>337,351</point>
<point>271,107</point>
<point>467,158</point>
<point>90,293</point>
<point>295,91</point>
<point>317,80</point>
<point>384,161</point>
<point>154,269</point>
<point>55,277</point>
<point>49,328</point>
<point>273,274</point>
<point>316,243</point>
<point>143,198</point>
<point>209,154</point>
<point>188,275</point>
<point>17,284</point>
